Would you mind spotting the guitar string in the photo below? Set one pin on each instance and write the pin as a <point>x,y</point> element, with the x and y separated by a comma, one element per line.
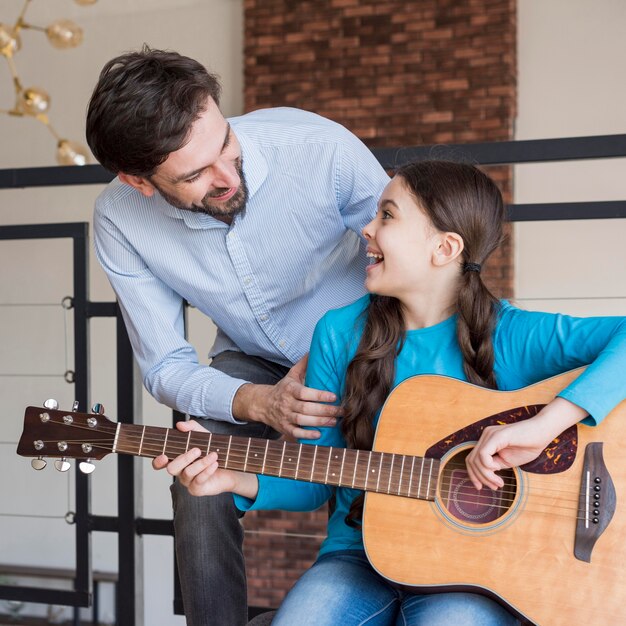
<point>398,487</point>
<point>546,508</point>
<point>182,438</point>
<point>276,456</point>
<point>552,510</point>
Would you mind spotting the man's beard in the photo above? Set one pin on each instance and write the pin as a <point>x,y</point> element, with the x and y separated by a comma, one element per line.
<point>229,209</point>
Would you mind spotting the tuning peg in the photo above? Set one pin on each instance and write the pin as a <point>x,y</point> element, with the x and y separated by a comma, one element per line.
<point>51,404</point>
<point>86,467</point>
<point>98,409</point>
<point>62,465</point>
<point>38,464</point>
<point>75,405</point>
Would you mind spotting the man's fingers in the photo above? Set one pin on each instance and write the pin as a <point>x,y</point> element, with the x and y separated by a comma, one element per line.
<point>307,394</point>
<point>298,371</point>
<point>314,409</point>
<point>302,433</point>
<point>317,421</point>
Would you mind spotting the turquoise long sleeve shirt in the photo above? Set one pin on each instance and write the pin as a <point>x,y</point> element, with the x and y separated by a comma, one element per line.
<point>529,347</point>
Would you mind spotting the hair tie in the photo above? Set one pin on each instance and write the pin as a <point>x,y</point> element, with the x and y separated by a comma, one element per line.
<point>472,267</point>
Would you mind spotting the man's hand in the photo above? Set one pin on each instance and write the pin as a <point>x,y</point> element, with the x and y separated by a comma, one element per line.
<point>288,405</point>
<point>202,475</point>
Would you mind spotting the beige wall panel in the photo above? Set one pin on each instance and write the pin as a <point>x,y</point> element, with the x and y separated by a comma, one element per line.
<point>571,59</point>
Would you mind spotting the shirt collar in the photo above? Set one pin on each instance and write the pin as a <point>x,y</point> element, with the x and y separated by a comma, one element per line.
<point>255,167</point>
<point>192,219</point>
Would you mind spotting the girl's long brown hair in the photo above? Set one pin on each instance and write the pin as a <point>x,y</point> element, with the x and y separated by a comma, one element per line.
<point>459,198</point>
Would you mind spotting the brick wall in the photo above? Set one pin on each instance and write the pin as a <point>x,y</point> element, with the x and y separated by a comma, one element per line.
<point>396,73</point>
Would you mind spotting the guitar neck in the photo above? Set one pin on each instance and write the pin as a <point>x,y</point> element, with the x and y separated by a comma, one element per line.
<point>381,472</point>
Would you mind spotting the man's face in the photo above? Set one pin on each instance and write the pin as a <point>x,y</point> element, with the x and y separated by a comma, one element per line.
<point>206,174</point>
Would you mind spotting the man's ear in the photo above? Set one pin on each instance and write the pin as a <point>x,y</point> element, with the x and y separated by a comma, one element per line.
<point>448,249</point>
<point>141,184</point>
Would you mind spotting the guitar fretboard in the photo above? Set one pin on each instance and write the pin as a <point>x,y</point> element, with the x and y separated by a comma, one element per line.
<point>380,472</point>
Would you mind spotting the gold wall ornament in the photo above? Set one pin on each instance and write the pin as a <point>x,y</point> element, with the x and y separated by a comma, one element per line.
<point>34,102</point>
<point>64,34</point>
<point>10,41</point>
<point>71,153</point>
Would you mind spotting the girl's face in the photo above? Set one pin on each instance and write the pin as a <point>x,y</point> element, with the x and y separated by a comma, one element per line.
<point>402,242</point>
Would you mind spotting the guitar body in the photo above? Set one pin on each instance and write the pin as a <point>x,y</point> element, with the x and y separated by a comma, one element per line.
<point>517,547</point>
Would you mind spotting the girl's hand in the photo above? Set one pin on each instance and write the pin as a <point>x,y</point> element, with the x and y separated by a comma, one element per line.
<point>202,475</point>
<point>511,445</point>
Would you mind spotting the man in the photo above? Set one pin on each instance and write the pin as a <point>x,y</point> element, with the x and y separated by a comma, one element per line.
<point>255,222</point>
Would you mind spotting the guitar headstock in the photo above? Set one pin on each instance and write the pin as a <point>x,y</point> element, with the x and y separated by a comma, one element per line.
<point>49,432</point>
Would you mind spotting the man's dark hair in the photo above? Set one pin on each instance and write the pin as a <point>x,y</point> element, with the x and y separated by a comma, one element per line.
<point>143,107</point>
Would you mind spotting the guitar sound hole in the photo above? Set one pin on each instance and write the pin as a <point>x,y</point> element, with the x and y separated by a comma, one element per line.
<point>464,502</point>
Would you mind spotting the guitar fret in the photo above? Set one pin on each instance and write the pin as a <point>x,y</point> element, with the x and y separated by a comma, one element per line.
<point>167,432</point>
<point>267,443</point>
<point>282,458</point>
<point>143,430</point>
<point>230,439</point>
<point>356,462</point>
<point>380,471</point>
<point>313,463</point>
<point>208,445</point>
<point>288,462</point>
<point>188,439</point>
<point>401,474</point>
<point>367,471</point>
<point>330,453</point>
<point>430,472</point>
<point>393,458</point>
<point>419,486</point>
<point>298,461</point>
<point>411,478</point>
<point>343,460</point>
<point>245,463</point>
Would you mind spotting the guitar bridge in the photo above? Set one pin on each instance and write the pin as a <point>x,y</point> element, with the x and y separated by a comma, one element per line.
<point>596,503</point>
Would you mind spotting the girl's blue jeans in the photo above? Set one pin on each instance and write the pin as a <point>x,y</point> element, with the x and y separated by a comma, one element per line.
<point>342,589</point>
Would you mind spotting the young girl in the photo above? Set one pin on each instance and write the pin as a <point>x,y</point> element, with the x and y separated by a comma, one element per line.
<point>428,312</point>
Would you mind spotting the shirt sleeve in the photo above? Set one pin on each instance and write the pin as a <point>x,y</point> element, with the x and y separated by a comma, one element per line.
<point>153,314</point>
<point>290,495</point>
<point>542,345</point>
<point>360,181</point>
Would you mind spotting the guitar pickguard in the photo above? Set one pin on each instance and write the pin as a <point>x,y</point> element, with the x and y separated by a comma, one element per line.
<point>556,458</point>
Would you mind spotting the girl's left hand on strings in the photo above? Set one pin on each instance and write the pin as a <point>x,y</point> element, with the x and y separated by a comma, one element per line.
<point>201,474</point>
<point>511,445</point>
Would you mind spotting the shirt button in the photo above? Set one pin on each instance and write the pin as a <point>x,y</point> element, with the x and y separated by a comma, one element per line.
<point>282,343</point>
<point>263,317</point>
<point>247,280</point>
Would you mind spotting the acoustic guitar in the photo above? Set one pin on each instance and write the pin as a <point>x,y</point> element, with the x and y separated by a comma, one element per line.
<point>550,545</point>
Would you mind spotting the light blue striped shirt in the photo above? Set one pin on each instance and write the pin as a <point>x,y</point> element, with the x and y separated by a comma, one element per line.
<point>266,279</point>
